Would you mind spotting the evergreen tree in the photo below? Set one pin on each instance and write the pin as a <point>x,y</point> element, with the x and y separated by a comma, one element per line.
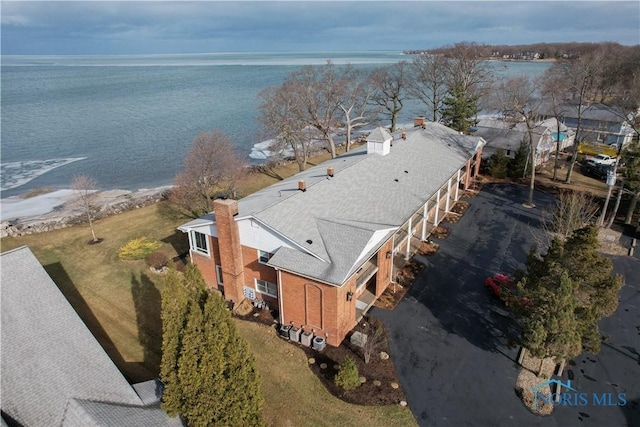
<point>498,164</point>
<point>175,303</point>
<point>520,165</point>
<point>564,294</point>
<point>209,373</point>
<point>460,109</point>
<point>348,377</point>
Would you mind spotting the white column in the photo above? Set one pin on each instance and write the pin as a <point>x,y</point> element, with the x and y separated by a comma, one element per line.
<point>425,212</point>
<point>446,204</point>
<point>408,250</point>
<point>457,185</point>
<point>435,218</point>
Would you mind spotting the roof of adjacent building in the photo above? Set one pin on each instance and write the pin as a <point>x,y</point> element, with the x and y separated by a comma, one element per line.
<point>52,366</point>
<point>336,222</point>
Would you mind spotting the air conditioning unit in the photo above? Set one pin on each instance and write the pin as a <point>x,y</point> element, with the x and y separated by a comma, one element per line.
<point>294,334</point>
<point>319,343</point>
<point>306,338</point>
<point>283,331</point>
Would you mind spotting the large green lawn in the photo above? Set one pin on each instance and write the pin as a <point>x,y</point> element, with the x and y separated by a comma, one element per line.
<point>120,302</point>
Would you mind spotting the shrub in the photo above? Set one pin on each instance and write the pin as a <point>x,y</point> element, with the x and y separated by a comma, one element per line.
<point>157,260</point>
<point>348,377</point>
<point>138,249</point>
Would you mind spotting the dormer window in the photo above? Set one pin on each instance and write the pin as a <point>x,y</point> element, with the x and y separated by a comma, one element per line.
<point>264,257</point>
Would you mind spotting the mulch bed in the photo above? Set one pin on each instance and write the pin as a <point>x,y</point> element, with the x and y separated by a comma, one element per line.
<point>427,248</point>
<point>440,232</point>
<point>394,293</point>
<point>379,374</point>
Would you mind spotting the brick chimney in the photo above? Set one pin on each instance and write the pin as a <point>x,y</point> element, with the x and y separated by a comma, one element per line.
<point>330,171</point>
<point>302,186</point>
<point>230,248</point>
<point>419,121</point>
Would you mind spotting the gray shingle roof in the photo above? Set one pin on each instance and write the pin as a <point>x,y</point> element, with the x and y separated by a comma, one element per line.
<point>48,355</point>
<point>368,193</point>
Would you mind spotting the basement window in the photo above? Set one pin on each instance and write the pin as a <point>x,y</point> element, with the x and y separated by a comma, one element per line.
<point>266,288</point>
<point>199,243</point>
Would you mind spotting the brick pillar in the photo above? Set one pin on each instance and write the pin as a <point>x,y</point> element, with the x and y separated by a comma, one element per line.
<point>467,175</point>
<point>478,161</point>
<point>230,248</point>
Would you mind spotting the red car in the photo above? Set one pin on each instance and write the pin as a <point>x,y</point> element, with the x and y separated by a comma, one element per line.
<point>500,284</point>
<point>504,287</point>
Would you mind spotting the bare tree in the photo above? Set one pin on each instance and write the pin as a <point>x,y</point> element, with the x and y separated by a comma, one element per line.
<point>355,104</point>
<point>466,69</point>
<point>517,98</point>
<point>86,188</point>
<point>389,89</point>
<point>211,168</point>
<point>573,210</point>
<point>375,340</point>
<point>579,74</point>
<point>429,82</point>
<point>280,114</point>
<point>554,89</point>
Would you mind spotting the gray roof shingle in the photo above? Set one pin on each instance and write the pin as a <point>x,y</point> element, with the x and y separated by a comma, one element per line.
<point>48,355</point>
<point>368,193</point>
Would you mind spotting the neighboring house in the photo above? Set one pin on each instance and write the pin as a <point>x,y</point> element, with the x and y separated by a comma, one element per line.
<point>508,136</point>
<point>54,372</point>
<point>320,247</point>
<point>599,123</point>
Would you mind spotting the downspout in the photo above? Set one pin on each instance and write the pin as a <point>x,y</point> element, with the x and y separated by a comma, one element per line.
<point>280,303</point>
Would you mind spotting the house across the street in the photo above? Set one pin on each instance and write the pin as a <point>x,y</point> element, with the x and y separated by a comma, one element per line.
<point>322,246</point>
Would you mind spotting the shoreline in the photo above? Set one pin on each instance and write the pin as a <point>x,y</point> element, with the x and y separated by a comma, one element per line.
<point>61,208</point>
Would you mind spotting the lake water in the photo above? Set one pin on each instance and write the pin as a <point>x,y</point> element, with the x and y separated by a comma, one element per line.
<point>128,120</point>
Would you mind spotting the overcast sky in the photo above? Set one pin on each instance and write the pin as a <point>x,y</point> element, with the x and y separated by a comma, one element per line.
<point>99,27</point>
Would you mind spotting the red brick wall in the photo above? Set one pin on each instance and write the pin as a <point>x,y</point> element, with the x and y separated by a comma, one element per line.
<point>317,306</point>
<point>229,248</point>
<point>383,276</point>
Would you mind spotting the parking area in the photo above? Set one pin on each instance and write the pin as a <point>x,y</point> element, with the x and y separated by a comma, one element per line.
<point>450,337</point>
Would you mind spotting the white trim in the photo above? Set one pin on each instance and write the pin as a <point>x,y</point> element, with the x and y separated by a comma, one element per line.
<point>193,243</point>
<point>280,300</point>
<point>268,283</point>
<point>219,276</point>
<point>425,213</point>
<point>260,251</point>
<point>447,202</point>
<point>409,234</point>
<point>457,186</point>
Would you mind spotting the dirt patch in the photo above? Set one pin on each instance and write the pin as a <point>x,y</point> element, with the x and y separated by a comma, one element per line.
<point>534,372</point>
<point>610,242</point>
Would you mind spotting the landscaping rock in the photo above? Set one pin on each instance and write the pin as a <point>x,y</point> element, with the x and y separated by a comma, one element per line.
<point>384,355</point>
<point>395,385</point>
<point>312,361</point>
<point>403,403</point>
<point>323,366</point>
<point>377,383</point>
<point>363,380</point>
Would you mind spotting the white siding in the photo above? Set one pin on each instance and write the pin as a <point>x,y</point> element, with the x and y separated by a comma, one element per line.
<point>255,235</point>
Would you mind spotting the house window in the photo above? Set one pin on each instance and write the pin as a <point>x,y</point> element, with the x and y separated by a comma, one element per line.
<point>219,274</point>
<point>263,257</point>
<point>199,243</point>
<point>266,288</point>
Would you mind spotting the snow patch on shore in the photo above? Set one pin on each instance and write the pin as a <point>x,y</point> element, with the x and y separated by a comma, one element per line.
<point>15,174</point>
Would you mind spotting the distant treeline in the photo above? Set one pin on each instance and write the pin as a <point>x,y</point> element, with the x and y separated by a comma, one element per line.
<point>536,51</point>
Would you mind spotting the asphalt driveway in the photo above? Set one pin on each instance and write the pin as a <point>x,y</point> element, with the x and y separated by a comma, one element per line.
<point>450,337</point>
